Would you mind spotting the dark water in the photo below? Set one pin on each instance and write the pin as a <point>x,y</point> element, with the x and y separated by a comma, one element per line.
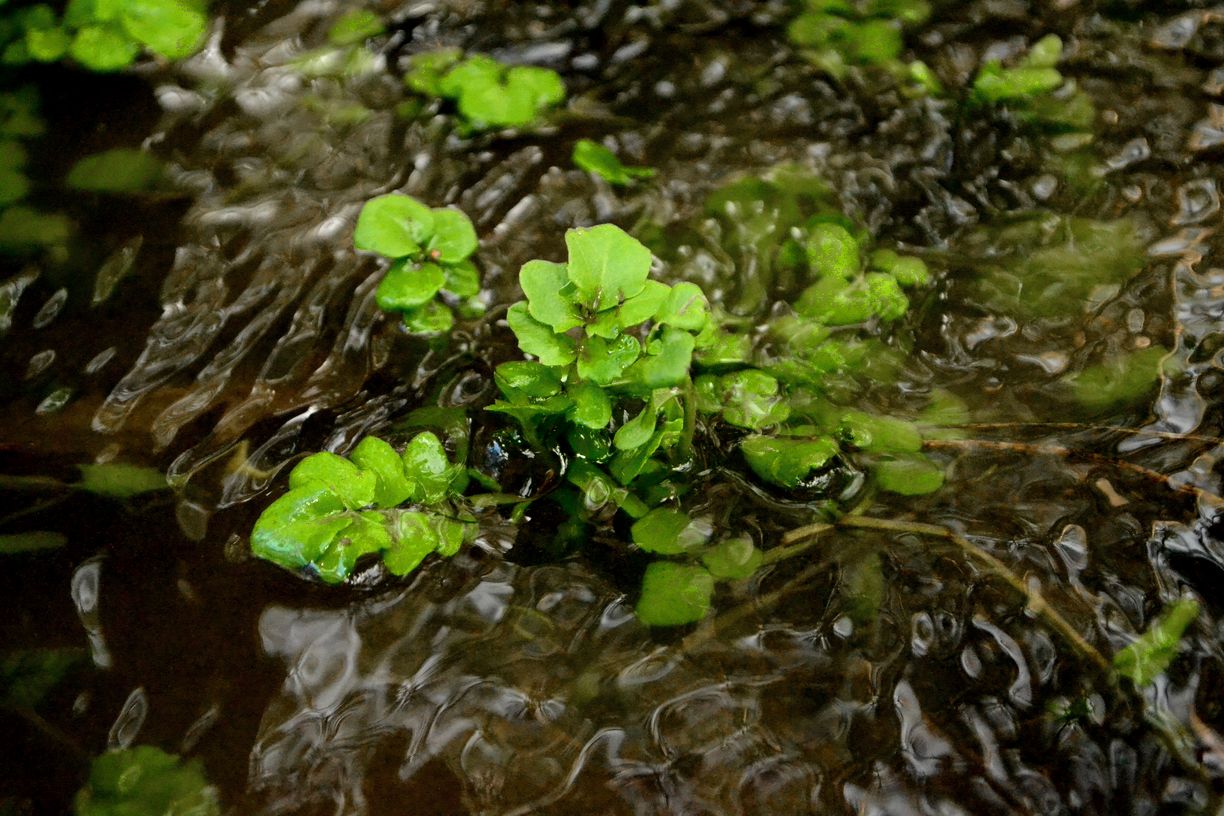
<point>244,332</point>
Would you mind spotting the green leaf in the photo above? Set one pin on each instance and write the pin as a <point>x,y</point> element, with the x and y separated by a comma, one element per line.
<point>33,541</point>
<point>907,271</point>
<point>425,70</point>
<point>297,528</point>
<point>995,84</point>
<point>592,407</point>
<point>407,286</point>
<point>120,481</point>
<point>833,252</point>
<point>527,379</point>
<point>146,781</point>
<point>14,186</point>
<point>604,362</point>
<point>366,534</point>
<point>376,456</point>
<point>426,464</point>
<point>415,539</point>
<point>1148,657</point>
<point>606,264</point>
<point>23,229</point>
<point>393,225</point>
<point>1118,382</point>
<point>462,279</point>
<point>123,170</point>
<point>539,339</point>
<point>354,487</point>
<point>910,476</point>
<point>454,237</point>
<point>550,295</point>
<point>103,48</point>
<point>733,559</point>
<point>1045,53</point>
<point>674,594</point>
<point>751,399</point>
<point>597,159</point>
<point>879,434</point>
<point>355,26</point>
<point>669,532</point>
<point>47,45</point>
<point>173,29</point>
<point>431,318</point>
<point>637,431</point>
<point>685,308</point>
<point>668,360</point>
<point>787,462</point>
<point>543,85</point>
<point>27,676</point>
<point>643,306</point>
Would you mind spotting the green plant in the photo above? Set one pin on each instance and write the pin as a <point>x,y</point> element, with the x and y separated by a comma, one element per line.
<point>835,34</point>
<point>23,229</point>
<point>1036,91</point>
<point>146,781</point>
<point>1145,659</point>
<point>355,26</point>
<point>104,35</point>
<point>430,250</point>
<point>400,507</point>
<point>595,158</point>
<point>487,94</point>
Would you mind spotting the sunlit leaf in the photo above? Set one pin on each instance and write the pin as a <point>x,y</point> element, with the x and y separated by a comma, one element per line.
<point>407,285</point>
<point>146,781</point>
<point>393,225</point>
<point>173,29</point>
<point>119,480</point>
<point>595,158</point>
<point>606,265</point>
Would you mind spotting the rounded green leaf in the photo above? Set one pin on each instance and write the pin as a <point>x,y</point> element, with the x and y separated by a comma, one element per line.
<point>549,295</point>
<point>47,44</point>
<point>407,286</point>
<point>606,264</point>
<point>355,26</point>
<point>173,29</point>
<point>832,251</point>
<point>393,225</point>
<point>880,434</point>
<point>592,406</point>
<point>539,339</point>
<point>674,594</point>
<point>415,538</point>
<point>910,476</point>
<point>454,237</point>
<point>103,48</point>
<point>119,480</point>
<point>542,85</point>
<point>787,462</point>
<point>122,170</point>
<point>668,363</point>
<point>733,559</point>
<point>595,158</point>
<point>637,431</point>
<point>378,457</point>
<point>146,780</point>
<point>474,73</point>
<point>14,186</point>
<point>432,318</point>
<point>425,463</point>
<point>604,362</point>
<point>496,105</point>
<point>462,279</point>
<point>685,308</point>
<point>668,532</point>
<point>527,379</point>
<point>354,486</point>
<point>296,528</point>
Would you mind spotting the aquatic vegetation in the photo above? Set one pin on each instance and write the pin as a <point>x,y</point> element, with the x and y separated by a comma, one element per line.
<point>355,26</point>
<point>1118,382</point>
<point>487,94</point>
<point>122,170</point>
<point>836,34</point>
<point>1145,659</point>
<point>104,35</point>
<point>146,781</point>
<point>595,158</point>
<point>1050,266</point>
<point>401,507</point>
<point>430,250</point>
<point>23,229</point>
<point>27,676</point>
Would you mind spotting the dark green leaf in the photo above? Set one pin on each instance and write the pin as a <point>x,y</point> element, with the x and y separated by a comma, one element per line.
<point>787,462</point>
<point>34,541</point>
<point>592,407</point>
<point>123,170</point>
<point>27,676</point>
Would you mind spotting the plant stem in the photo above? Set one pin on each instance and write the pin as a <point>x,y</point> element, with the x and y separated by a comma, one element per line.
<point>1068,453</point>
<point>1083,426</point>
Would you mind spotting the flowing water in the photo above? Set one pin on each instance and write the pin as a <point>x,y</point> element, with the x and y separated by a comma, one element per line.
<point>220,329</point>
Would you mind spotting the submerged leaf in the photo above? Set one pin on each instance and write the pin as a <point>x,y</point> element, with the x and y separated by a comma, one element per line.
<point>119,480</point>
<point>1148,657</point>
<point>674,594</point>
<point>787,462</point>
<point>123,170</point>
<point>146,781</point>
<point>595,158</point>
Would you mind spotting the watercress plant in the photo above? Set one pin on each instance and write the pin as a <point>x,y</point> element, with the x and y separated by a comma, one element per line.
<point>431,251</point>
<point>488,94</point>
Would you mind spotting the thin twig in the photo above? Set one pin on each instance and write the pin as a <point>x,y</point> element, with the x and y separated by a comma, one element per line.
<point>1084,426</point>
<point>1029,449</point>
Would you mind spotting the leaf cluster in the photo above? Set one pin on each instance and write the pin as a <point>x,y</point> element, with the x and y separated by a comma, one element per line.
<point>431,251</point>
<point>836,34</point>
<point>146,781</point>
<point>24,229</point>
<point>104,35</point>
<point>377,502</point>
<point>613,350</point>
<point>488,94</point>
<point>1036,91</point>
